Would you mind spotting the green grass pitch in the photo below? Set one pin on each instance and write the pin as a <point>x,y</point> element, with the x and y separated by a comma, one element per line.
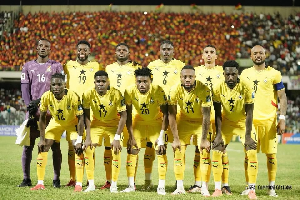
<point>11,175</point>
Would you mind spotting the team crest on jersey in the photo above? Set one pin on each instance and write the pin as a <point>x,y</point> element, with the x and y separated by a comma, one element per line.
<point>197,100</point>
<point>218,76</point>
<point>129,72</point>
<point>240,97</point>
<point>79,107</point>
<point>48,69</point>
<point>91,70</point>
<point>151,101</point>
<point>208,98</point>
<point>68,107</point>
<point>175,72</point>
<point>253,95</point>
<point>110,103</point>
<point>266,80</point>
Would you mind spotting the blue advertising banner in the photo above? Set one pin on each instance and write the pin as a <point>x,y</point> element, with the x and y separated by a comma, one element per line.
<point>8,130</point>
<point>294,139</point>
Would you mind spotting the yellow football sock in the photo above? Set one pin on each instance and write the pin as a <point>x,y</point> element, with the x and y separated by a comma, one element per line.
<point>252,166</point>
<point>246,168</point>
<point>178,163</point>
<point>217,166</point>
<point>272,166</point>
<point>136,166</point>
<point>205,165</point>
<point>131,164</point>
<point>116,165</point>
<point>225,174</point>
<point>197,171</point>
<point>149,157</point>
<point>41,165</point>
<point>79,167</point>
<point>107,163</point>
<point>71,161</point>
<point>166,160</point>
<point>89,163</point>
<point>183,162</point>
<point>162,166</point>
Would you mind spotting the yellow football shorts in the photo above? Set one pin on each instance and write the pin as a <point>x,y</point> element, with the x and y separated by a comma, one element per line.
<point>54,131</point>
<point>267,136</point>
<point>230,128</point>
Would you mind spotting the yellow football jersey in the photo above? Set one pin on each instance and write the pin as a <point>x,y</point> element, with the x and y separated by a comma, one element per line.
<point>210,77</point>
<point>263,82</point>
<point>121,76</point>
<point>146,105</point>
<point>190,103</point>
<point>63,111</point>
<point>233,100</point>
<point>80,78</point>
<point>106,107</point>
<point>166,75</point>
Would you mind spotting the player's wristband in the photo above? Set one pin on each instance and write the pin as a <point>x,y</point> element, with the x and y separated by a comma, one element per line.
<point>117,137</point>
<point>160,140</point>
<point>161,134</point>
<point>79,140</point>
<point>282,117</point>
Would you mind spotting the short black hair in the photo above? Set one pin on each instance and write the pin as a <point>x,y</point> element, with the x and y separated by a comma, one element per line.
<point>58,75</point>
<point>122,43</point>
<point>101,73</point>
<point>83,42</point>
<point>144,71</point>
<point>210,45</point>
<point>167,42</point>
<point>188,67</point>
<point>41,40</point>
<point>231,63</point>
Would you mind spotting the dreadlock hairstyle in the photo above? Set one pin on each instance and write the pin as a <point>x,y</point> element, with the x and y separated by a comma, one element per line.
<point>145,71</point>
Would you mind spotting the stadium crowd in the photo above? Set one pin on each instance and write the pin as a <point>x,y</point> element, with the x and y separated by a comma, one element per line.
<point>234,35</point>
<point>278,35</point>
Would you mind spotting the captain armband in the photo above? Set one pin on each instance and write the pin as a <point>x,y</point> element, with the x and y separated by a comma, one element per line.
<point>279,86</point>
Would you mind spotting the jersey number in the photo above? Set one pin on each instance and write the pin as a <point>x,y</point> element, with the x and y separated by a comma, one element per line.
<point>82,78</point>
<point>41,77</point>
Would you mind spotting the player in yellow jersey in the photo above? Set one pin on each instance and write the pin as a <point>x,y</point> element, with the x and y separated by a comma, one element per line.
<point>194,100</point>
<point>121,72</point>
<point>106,103</point>
<point>166,73</point>
<point>268,87</point>
<point>209,74</point>
<point>80,76</point>
<point>121,76</point>
<point>147,125</point>
<point>67,115</point>
<point>166,70</point>
<point>237,100</point>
